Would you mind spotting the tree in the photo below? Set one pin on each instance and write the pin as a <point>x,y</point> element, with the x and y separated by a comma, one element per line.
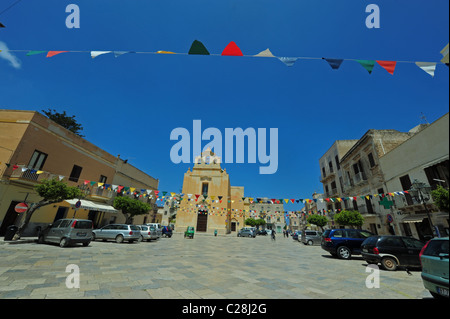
<point>260,222</point>
<point>349,218</point>
<point>441,198</point>
<point>52,191</point>
<point>65,121</point>
<point>317,220</point>
<point>130,207</point>
<point>250,221</point>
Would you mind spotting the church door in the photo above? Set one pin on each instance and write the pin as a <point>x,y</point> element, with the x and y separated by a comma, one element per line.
<point>202,220</point>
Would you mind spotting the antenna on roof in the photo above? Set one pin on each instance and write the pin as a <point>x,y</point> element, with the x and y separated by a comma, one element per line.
<point>424,118</point>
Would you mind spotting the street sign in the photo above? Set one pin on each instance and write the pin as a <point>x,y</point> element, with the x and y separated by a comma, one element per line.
<point>390,218</point>
<point>78,204</point>
<point>21,208</point>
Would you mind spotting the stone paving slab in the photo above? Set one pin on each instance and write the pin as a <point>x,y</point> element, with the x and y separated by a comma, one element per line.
<point>207,267</point>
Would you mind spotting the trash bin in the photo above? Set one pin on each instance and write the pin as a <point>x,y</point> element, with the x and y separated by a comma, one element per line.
<point>10,232</point>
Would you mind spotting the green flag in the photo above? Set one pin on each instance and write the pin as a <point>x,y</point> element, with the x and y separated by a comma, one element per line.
<point>35,52</point>
<point>367,64</point>
<point>198,48</point>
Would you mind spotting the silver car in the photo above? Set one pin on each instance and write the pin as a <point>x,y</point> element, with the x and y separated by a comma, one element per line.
<point>311,237</point>
<point>117,232</point>
<point>158,228</point>
<point>66,232</point>
<point>148,233</point>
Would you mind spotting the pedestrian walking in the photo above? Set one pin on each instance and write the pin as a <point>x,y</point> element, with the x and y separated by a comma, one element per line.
<point>273,234</point>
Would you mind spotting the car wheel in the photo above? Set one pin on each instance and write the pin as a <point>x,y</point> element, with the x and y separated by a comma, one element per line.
<point>86,244</point>
<point>344,252</point>
<point>310,242</point>
<point>389,263</point>
<point>141,238</point>
<point>63,243</point>
<point>119,239</point>
<point>93,237</point>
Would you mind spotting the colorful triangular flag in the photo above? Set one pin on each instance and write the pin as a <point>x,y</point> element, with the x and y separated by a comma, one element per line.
<point>266,54</point>
<point>334,63</point>
<point>34,52</point>
<point>95,54</point>
<point>232,50</point>
<point>198,48</point>
<point>388,65</point>
<point>428,67</point>
<point>53,53</point>
<point>367,64</point>
<point>288,61</point>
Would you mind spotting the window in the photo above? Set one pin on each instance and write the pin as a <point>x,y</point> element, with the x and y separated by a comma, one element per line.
<point>205,189</point>
<point>338,234</point>
<point>413,243</point>
<point>371,160</point>
<point>336,158</point>
<point>323,172</point>
<point>75,174</point>
<point>102,179</point>
<point>438,174</point>
<point>391,242</point>
<point>37,160</point>
<point>65,223</point>
<point>330,164</point>
<point>406,185</point>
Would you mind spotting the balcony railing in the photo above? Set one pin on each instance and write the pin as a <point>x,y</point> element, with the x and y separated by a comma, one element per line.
<point>22,173</point>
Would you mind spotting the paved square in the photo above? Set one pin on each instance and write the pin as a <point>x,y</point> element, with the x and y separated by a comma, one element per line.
<point>223,267</point>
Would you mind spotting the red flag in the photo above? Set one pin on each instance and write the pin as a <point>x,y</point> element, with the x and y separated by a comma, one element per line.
<point>232,49</point>
<point>388,65</point>
<point>53,53</point>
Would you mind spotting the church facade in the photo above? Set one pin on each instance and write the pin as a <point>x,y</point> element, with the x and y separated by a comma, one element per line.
<point>209,202</point>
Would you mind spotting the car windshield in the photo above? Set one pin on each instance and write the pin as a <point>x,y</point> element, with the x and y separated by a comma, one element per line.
<point>134,227</point>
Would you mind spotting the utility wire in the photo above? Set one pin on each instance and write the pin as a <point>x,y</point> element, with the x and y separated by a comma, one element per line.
<point>12,5</point>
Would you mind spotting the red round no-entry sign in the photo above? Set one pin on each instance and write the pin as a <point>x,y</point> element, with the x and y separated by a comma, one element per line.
<point>21,208</point>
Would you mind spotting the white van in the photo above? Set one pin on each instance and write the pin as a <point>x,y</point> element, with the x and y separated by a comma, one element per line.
<point>158,228</point>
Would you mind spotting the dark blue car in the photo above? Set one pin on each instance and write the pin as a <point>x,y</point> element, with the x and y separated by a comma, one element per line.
<point>343,243</point>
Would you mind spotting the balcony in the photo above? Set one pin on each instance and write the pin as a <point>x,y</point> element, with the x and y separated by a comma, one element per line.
<point>359,178</point>
<point>24,175</point>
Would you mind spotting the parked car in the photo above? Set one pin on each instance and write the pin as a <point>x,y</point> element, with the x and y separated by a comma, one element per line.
<point>434,259</point>
<point>343,243</point>
<point>158,228</point>
<point>296,235</point>
<point>261,232</point>
<point>189,233</point>
<point>311,237</point>
<point>392,251</point>
<point>166,231</point>
<point>148,233</point>
<point>246,232</point>
<point>66,232</point>
<point>117,232</point>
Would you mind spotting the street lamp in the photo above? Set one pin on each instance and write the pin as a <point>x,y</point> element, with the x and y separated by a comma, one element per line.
<point>421,192</point>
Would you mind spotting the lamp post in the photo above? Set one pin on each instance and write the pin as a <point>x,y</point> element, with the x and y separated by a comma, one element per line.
<point>421,192</point>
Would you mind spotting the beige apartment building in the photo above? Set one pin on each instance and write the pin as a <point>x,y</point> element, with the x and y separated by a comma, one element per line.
<point>33,148</point>
<point>210,202</point>
<point>363,176</point>
<point>425,158</point>
<point>353,176</point>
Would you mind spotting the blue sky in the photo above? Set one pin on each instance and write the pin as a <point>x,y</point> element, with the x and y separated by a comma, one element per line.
<point>130,104</point>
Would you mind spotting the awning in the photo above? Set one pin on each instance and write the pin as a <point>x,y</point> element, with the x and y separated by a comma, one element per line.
<point>87,204</point>
<point>414,218</point>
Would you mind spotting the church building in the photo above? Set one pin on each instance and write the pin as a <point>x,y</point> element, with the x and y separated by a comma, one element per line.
<point>209,201</point>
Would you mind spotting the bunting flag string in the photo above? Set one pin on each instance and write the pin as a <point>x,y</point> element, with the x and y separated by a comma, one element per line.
<point>205,200</point>
<point>232,49</point>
